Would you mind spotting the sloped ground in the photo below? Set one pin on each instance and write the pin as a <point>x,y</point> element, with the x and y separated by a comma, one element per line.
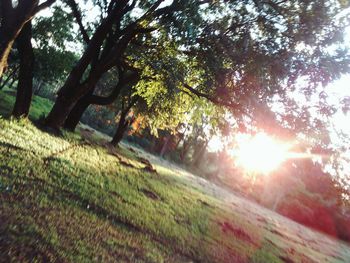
<point>67,199</point>
<point>299,243</point>
<point>294,242</point>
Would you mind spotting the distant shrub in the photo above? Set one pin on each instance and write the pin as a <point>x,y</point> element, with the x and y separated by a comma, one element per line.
<point>101,119</point>
<point>142,142</point>
<point>309,211</point>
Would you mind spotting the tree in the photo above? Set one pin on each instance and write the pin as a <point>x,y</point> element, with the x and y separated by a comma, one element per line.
<point>106,49</point>
<point>13,18</point>
<point>48,70</point>
<point>99,58</point>
<point>25,78</point>
<point>125,79</point>
<point>124,123</point>
<point>51,36</point>
<point>240,60</point>
<point>253,55</point>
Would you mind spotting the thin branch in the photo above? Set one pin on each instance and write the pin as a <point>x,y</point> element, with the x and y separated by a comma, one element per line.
<point>143,30</point>
<point>130,7</point>
<point>77,14</point>
<point>43,6</point>
<point>124,82</point>
<point>187,93</point>
<point>198,93</point>
<point>228,104</point>
<point>152,8</point>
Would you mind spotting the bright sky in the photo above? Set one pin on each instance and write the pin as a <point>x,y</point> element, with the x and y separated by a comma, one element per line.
<point>338,90</point>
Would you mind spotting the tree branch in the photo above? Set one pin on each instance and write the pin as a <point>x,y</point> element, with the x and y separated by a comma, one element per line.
<point>153,8</point>
<point>124,82</point>
<point>226,103</point>
<point>43,6</point>
<point>77,14</point>
<point>198,93</point>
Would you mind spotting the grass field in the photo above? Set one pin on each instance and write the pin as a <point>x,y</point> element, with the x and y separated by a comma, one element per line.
<point>64,199</point>
<point>40,106</point>
<point>69,199</point>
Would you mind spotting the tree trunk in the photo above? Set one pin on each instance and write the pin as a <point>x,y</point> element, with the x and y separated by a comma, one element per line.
<point>77,112</point>
<point>89,99</point>
<point>178,142</point>
<point>25,80</point>
<point>185,147</point>
<point>122,126</point>
<point>13,20</point>
<point>68,96</point>
<point>74,89</point>
<point>59,112</point>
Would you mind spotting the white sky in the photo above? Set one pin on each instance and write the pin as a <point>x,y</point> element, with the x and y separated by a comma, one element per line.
<point>338,90</point>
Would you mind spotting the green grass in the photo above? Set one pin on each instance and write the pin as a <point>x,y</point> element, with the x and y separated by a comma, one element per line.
<point>68,199</point>
<point>64,200</point>
<point>39,107</point>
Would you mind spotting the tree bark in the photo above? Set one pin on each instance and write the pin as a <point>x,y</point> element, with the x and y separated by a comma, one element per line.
<point>81,106</point>
<point>123,123</point>
<point>25,80</point>
<point>122,126</point>
<point>12,21</point>
<point>67,99</point>
<point>185,147</point>
<point>77,112</point>
<point>73,89</point>
<point>59,112</point>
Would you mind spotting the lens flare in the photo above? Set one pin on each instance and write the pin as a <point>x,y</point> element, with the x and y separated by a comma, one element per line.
<point>260,154</point>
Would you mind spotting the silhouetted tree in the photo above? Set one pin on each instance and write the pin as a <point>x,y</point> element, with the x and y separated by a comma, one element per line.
<point>13,18</point>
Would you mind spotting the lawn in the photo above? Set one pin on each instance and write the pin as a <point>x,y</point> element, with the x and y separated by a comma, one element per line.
<point>74,198</point>
<point>40,106</point>
<point>64,199</point>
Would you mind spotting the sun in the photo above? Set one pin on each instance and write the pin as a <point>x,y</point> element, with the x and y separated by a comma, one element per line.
<point>260,153</point>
